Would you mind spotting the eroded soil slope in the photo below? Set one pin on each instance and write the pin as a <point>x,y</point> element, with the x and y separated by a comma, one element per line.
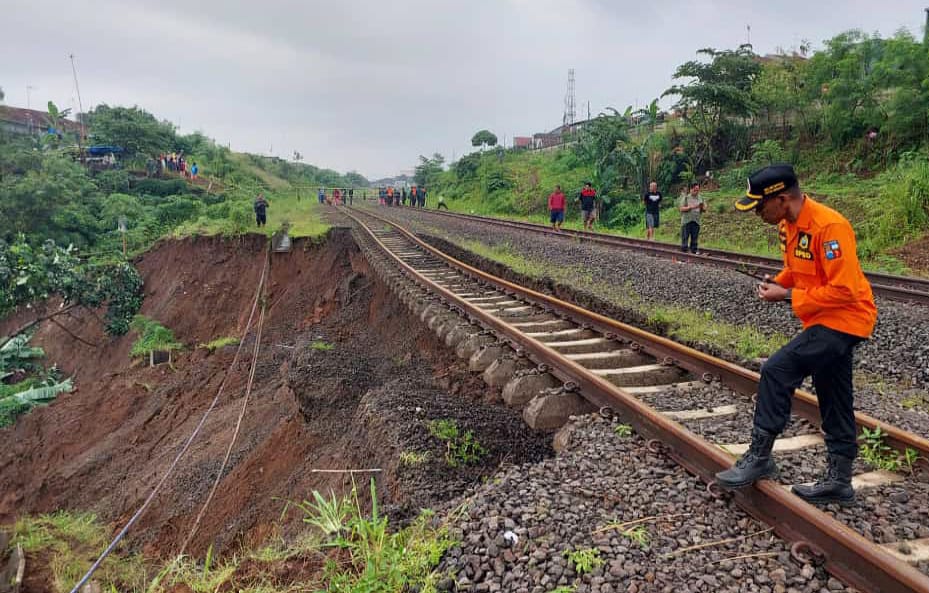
<point>357,405</point>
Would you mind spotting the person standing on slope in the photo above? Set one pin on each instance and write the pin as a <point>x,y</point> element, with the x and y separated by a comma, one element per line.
<point>261,207</point>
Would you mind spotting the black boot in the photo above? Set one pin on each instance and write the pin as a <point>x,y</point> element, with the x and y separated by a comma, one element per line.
<point>754,465</point>
<point>834,486</point>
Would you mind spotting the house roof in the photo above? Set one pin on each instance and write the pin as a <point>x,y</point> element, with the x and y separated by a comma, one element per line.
<point>33,117</point>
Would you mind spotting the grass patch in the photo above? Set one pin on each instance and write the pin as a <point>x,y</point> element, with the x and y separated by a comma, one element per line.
<point>321,346</point>
<point>70,542</point>
<point>696,327</point>
<point>218,343</point>
<point>301,215</point>
<point>506,255</point>
<point>379,559</point>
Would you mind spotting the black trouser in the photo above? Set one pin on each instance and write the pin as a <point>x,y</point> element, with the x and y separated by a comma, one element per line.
<point>261,218</point>
<point>826,354</point>
<point>441,205</point>
<point>689,234</point>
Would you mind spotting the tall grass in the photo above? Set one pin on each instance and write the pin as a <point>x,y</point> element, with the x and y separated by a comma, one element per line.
<point>69,542</point>
<point>902,211</point>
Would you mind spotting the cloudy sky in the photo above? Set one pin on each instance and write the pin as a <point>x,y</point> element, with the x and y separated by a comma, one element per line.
<point>370,84</point>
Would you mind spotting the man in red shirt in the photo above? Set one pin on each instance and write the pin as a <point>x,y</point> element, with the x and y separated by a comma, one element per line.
<point>556,205</point>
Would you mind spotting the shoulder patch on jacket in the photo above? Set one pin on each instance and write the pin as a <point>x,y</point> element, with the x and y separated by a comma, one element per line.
<point>832,250</point>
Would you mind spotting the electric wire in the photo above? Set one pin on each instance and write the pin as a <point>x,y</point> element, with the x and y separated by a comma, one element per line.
<point>141,510</point>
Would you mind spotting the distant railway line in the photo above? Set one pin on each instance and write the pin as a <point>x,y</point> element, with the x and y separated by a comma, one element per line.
<point>900,288</point>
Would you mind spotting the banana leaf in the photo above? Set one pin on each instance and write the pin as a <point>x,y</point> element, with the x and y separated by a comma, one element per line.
<point>43,394</point>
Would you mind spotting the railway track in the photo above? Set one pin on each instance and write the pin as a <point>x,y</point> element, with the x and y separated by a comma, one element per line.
<point>900,288</point>
<point>552,358</point>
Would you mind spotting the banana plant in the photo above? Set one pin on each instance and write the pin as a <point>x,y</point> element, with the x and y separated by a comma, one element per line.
<point>17,356</point>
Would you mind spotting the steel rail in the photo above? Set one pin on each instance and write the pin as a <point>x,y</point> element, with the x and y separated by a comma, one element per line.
<point>900,288</point>
<point>740,379</point>
<point>845,553</point>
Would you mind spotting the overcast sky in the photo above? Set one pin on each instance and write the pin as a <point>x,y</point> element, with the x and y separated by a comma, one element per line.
<point>369,85</point>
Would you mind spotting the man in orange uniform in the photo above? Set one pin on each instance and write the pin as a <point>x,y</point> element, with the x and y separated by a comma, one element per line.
<point>823,282</point>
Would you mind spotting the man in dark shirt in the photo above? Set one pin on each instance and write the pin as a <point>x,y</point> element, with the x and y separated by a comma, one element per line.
<point>652,199</point>
<point>261,207</point>
<point>588,197</point>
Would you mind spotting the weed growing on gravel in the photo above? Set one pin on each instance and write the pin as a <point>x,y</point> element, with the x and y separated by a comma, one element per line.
<point>218,343</point>
<point>623,430</point>
<point>638,534</point>
<point>584,561</point>
<point>876,452</point>
<point>564,589</point>
<point>413,457</point>
<point>321,346</point>
<point>461,447</point>
<point>910,458</point>
<point>918,402</point>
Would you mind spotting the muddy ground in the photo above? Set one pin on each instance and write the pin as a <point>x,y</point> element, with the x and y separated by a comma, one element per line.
<point>358,405</point>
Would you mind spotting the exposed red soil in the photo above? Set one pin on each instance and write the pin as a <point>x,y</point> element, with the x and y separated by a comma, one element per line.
<point>915,255</point>
<point>103,447</point>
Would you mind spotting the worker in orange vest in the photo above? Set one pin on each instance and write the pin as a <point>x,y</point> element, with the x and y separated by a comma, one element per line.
<point>824,284</point>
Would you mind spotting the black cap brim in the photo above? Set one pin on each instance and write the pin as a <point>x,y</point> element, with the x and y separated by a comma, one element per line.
<point>747,203</point>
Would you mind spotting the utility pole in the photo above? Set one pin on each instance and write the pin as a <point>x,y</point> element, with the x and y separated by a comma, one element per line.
<point>29,89</point>
<point>926,29</point>
<point>80,104</point>
<point>748,34</point>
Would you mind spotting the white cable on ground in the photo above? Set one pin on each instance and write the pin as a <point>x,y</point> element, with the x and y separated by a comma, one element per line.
<point>138,514</point>
<point>235,434</point>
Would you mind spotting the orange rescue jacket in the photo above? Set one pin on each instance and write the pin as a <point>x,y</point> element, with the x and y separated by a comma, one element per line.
<point>821,266</point>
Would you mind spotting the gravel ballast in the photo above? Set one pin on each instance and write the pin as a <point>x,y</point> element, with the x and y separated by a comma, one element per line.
<point>567,504</point>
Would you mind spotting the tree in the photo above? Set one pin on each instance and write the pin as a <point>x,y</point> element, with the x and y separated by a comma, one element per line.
<point>715,91</point>
<point>599,143</point>
<point>776,91</point>
<point>135,130</point>
<point>845,81</point>
<point>484,138</point>
<point>428,169</point>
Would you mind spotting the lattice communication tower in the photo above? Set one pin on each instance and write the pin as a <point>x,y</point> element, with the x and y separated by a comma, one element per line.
<point>569,110</point>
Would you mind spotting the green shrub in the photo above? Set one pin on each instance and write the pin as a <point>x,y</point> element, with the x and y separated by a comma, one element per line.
<point>153,337</point>
<point>160,187</point>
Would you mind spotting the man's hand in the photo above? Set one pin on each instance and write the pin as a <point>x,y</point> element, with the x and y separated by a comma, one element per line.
<point>770,291</point>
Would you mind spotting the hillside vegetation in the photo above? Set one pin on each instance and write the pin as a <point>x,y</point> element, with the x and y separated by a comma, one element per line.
<point>852,117</point>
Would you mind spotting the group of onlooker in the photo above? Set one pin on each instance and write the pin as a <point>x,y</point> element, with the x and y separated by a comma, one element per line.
<point>690,204</point>
<point>173,162</point>
<point>391,196</point>
<point>337,196</point>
